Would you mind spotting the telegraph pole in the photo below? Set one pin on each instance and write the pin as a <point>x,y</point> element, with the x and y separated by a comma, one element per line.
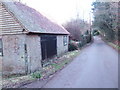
<point>83,15</point>
<point>77,9</point>
<point>90,24</point>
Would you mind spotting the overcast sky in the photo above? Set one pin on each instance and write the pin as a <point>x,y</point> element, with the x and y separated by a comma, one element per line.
<point>61,11</point>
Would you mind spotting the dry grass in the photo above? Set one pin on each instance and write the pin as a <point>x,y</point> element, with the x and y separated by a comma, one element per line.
<point>115,46</point>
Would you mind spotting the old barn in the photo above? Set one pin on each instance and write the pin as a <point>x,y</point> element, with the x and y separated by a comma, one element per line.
<point>28,38</point>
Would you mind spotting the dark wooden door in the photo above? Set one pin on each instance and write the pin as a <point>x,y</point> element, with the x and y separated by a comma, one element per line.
<point>48,46</point>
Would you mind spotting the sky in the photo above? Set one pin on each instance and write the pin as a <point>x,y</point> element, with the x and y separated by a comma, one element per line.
<point>61,11</point>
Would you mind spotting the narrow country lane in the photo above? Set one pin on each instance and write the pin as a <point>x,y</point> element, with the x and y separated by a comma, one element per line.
<point>95,67</point>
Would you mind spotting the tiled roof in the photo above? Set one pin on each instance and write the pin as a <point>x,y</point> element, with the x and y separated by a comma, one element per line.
<point>34,21</point>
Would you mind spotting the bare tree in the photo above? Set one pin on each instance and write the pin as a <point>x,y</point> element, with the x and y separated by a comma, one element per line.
<point>76,27</point>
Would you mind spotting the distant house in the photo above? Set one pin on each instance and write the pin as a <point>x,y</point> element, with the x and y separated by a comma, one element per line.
<point>28,38</point>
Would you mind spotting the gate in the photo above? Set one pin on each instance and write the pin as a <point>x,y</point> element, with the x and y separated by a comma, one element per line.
<point>48,46</point>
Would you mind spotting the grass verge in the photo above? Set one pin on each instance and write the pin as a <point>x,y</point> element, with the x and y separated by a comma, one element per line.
<point>47,71</point>
<point>115,46</point>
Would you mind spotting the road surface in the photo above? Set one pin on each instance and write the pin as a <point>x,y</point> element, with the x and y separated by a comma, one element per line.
<point>95,67</point>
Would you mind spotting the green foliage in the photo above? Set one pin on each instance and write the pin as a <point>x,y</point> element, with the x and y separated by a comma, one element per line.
<point>81,44</point>
<point>105,19</point>
<point>115,46</point>
<point>87,32</point>
<point>76,27</point>
<point>57,66</point>
<point>72,46</point>
<point>88,36</point>
<point>36,75</point>
<point>85,40</point>
<point>95,32</point>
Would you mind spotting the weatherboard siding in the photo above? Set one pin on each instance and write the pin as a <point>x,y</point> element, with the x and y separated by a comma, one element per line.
<point>9,24</point>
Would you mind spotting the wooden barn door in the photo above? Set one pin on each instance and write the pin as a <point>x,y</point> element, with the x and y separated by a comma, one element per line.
<point>48,46</point>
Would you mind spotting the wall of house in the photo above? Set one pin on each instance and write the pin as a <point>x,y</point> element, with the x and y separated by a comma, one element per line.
<point>0,65</point>
<point>13,54</point>
<point>34,52</point>
<point>21,54</point>
<point>60,45</point>
<point>13,45</point>
<point>0,59</point>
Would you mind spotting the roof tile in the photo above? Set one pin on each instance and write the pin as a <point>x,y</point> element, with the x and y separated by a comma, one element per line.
<point>33,20</point>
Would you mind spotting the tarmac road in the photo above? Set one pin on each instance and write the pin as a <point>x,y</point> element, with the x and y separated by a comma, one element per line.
<point>95,67</point>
